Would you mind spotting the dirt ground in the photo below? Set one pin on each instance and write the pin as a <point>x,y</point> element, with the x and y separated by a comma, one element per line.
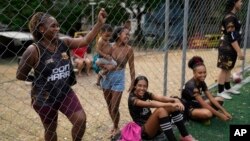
<point>19,122</point>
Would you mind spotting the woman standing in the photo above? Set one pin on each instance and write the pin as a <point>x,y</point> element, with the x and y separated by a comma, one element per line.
<point>113,84</point>
<point>229,48</point>
<point>51,88</point>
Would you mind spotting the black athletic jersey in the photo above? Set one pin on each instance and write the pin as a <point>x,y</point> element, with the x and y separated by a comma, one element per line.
<point>51,75</point>
<point>230,21</point>
<point>139,114</point>
<point>189,89</point>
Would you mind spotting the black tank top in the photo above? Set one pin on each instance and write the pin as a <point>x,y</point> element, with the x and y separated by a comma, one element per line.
<point>51,75</point>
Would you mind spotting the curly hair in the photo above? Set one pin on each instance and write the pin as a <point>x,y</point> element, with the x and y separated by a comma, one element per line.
<point>36,21</point>
<point>230,5</point>
<point>195,61</point>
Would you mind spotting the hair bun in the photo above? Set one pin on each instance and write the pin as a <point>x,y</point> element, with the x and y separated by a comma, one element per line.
<point>194,61</point>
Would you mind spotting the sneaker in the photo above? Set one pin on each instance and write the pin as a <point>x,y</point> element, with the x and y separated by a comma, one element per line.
<point>188,138</point>
<point>232,91</point>
<point>224,95</point>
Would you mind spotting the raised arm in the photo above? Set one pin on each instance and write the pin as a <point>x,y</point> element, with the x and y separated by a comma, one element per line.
<point>78,42</point>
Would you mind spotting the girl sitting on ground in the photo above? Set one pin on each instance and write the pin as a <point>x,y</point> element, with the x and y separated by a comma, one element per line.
<point>197,106</point>
<point>154,123</point>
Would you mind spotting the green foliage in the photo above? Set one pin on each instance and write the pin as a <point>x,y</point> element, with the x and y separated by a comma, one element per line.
<point>17,14</point>
<point>116,13</point>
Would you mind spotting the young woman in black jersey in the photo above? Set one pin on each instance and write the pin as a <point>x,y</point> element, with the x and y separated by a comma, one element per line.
<point>229,48</point>
<point>201,106</point>
<point>51,88</point>
<point>140,101</point>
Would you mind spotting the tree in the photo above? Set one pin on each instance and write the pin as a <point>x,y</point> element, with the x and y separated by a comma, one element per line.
<point>116,13</point>
<point>17,15</point>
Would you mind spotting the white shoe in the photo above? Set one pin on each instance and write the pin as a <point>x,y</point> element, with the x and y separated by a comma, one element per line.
<point>224,95</point>
<point>232,91</point>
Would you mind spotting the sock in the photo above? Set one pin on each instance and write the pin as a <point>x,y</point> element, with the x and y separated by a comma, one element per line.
<point>166,127</point>
<point>177,118</point>
<point>220,88</point>
<point>227,85</point>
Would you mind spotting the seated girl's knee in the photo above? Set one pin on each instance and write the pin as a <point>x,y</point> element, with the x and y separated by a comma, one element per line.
<point>162,112</point>
<point>207,114</point>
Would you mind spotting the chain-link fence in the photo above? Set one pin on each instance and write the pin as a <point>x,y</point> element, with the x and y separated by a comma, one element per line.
<point>165,34</point>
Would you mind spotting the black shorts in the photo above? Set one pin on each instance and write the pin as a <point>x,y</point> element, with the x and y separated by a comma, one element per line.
<point>226,58</point>
<point>145,136</point>
<point>190,106</point>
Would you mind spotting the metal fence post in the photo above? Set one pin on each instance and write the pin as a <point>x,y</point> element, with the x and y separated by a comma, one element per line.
<point>166,46</point>
<point>184,43</point>
<point>245,38</point>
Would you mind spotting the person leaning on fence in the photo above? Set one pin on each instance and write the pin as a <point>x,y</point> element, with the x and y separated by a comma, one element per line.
<point>197,106</point>
<point>104,51</point>
<point>113,84</point>
<point>50,58</point>
<point>139,103</point>
<point>229,48</point>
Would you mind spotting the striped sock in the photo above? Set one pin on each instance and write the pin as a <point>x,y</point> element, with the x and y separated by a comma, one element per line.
<point>221,88</point>
<point>177,117</point>
<point>166,126</point>
<point>227,85</point>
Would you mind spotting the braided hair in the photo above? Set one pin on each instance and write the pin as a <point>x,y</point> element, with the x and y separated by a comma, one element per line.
<point>195,61</point>
<point>36,21</point>
<point>230,5</point>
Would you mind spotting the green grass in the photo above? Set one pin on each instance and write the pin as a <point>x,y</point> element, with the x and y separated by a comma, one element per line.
<point>239,107</point>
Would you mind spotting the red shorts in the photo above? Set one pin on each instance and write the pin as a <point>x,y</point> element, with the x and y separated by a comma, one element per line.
<point>68,106</point>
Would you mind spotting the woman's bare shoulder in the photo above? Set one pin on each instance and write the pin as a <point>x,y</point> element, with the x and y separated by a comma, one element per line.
<point>31,49</point>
